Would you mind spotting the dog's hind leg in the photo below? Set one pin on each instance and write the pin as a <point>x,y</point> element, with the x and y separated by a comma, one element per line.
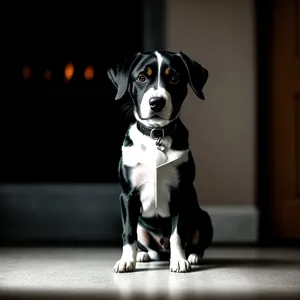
<point>146,244</point>
<point>200,238</point>
<point>193,252</point>
<point>143,243</point>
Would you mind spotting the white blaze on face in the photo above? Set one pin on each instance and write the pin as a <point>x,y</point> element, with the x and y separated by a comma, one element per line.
<point>157,91</point>
<point>159,63</point>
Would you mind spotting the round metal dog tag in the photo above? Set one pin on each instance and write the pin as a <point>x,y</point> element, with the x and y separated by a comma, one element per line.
<point>161,147</point>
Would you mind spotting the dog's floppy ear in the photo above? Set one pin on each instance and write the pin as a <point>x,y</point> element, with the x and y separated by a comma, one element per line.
<point>120,74</point>
<point>197,75</point>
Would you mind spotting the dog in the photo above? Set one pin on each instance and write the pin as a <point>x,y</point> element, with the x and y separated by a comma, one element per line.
<point>161,217</point>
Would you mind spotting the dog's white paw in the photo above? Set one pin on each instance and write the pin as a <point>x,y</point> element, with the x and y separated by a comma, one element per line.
<point>180,265</point>
<point>153,255</point>
<point>194,259</point>
<point>124,266</point>
<point>142,257</point>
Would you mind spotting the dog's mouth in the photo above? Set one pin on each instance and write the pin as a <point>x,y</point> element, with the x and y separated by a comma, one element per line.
<point>153,117</point>
<point>151,120</point>
<point>154,120</point>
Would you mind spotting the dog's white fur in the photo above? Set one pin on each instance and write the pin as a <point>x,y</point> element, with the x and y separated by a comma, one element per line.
<point>178,261</point>
<point>148,162</point>
<point>128,259</point>
<point>144,158</point>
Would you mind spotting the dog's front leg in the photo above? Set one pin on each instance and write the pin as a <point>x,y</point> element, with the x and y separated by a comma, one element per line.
<point>178,261</point>
<point>130,210</point>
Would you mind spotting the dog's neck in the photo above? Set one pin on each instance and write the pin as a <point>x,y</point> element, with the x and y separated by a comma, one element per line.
<point>155,132</point>
<point>157,150</point>
<point>157,129</point>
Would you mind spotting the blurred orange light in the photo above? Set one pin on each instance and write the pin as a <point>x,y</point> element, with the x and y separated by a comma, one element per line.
<point>69,71</point>
<point>26,72</point>
<point>89,73</point>
<point>48,75</point>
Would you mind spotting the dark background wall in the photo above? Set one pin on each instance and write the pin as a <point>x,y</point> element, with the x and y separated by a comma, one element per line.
<point>61,139</point>
<point>58,130</point>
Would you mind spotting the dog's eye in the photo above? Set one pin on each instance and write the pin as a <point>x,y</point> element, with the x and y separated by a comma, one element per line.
<point>141,78</point>
<point>174,79</point>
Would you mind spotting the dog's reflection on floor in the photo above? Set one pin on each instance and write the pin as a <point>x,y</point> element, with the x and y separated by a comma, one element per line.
<point>152,277</point>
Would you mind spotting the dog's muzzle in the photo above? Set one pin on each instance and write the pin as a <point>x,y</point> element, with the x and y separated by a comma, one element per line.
<point>157,103</point>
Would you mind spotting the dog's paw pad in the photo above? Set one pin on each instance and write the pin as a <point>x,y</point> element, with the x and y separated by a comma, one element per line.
<point>142,257</point>
<point>194,259</point>
<point>180,265</point>
<point>123,266</point>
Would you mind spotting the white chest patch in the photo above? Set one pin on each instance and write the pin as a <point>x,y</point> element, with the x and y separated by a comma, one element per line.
<point>153,172</point>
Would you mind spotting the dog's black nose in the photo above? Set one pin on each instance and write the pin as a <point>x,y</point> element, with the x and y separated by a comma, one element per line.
<point>157,103</point>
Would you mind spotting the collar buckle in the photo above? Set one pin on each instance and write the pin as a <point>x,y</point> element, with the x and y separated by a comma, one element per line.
<point>157,133</point>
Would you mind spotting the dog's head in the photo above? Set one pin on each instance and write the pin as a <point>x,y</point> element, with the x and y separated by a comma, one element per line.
<point>157,83</point>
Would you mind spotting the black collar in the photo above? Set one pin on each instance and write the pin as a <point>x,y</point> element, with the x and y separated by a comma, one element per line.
<point>157,132</point>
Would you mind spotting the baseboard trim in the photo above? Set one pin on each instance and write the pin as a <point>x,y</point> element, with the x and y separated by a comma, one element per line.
<point>234,224</point>
<point>90,214</point>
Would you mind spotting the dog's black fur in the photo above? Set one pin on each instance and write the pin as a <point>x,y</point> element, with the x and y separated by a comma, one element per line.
<point>177,228</point>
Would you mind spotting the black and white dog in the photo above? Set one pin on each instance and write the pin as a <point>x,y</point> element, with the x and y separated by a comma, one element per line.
<point>160,213</point>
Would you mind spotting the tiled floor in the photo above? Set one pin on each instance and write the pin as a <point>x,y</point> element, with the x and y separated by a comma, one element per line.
<point>88,273</point>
